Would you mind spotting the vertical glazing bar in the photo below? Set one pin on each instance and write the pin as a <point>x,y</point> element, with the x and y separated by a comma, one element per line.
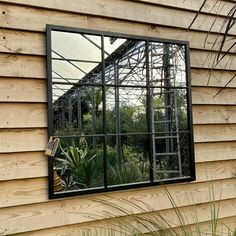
<point>63,112</point>
<point>177,135</point>
<point>167,96</point>
<point>149,112</point>
<point>70,109</point>
<point>117,112</point>
<point>152,109</point>
<point>79,111</point>
<point>94,115</point>
<point>104,112</point>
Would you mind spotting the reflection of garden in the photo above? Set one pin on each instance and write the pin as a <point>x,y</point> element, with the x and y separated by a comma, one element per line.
<point>80,161</point>
<point>118,125</point>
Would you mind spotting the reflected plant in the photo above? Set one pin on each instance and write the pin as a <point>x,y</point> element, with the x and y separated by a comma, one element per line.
<point>79,166</point>
<point>133,167</point>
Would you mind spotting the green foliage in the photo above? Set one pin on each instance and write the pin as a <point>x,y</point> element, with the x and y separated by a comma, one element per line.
<point>80,167</point>
<point>132,168</point>
<point>127,158</point>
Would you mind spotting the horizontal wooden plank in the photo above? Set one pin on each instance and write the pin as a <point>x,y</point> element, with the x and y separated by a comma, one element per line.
<point>227,96</point>
<point>30,115</point>
<point>23,165</point>
<point>16,65</point>
<point>72,211</point>
<point>215,170</point>
<point>21,140</point>
<point>13,65</point>
<point>214,133</point>
<point>20,192</point>
<point>33,43</point>
<point>225,226</point>
<point>210,7</point>
<point>34,115</point>
<point>23,115</point>
<point>143,13</point>
<point>205,114</point>
<point>112,226</point>
<point>216,151</point>
<point>215,78</point>
<point>200,59</point>
<point>34,164</point>
<point>15,41</point>
<point>21,17</point>
<point>23,90</point>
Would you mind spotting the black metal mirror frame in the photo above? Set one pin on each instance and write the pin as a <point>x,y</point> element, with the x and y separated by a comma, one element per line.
<point>106,188</point>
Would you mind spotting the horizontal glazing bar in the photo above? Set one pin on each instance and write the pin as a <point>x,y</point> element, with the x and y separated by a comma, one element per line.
<point>172,132</point>
<point>116,85</point>
<point>75,60</point>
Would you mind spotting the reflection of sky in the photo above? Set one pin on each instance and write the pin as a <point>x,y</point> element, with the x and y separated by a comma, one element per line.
<point>83,53</point>
<point>84,49</point>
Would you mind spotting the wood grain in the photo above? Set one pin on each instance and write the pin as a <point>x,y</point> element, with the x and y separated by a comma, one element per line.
<point>33,43</point>
<point>212,96</point>
<point>143,13</point>
<point>201,59</point>
<point>16,65</point>
<point>13,65</point>
<point>73,211</point>
<point>215,78</point>
<point>217,151</point>
<point>210,7</point>
<point>215,170</point>
<point>34,164</point>
<point>24,204</point>
<point>21,192</point>
<point>21,140</point>
<point>34,115</point>
<point>214,133</point>
<point>105,227</point>
<point>202,114</point>
<point>22,42</point>
<point>23,165</point>
<point>29,191</point>
<point>23,90</point>
<point>28,115</point>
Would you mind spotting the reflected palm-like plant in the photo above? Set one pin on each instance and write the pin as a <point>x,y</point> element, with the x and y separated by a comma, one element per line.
<point>79,167</point>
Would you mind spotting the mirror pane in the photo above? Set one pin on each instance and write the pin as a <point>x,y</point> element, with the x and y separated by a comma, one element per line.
<point>75,56</point>
<point>128,159</point>
<point>79,163</point>
<point>117,103</point>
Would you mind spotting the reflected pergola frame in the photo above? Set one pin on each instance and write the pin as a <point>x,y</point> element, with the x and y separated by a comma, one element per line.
<point>103,69</point>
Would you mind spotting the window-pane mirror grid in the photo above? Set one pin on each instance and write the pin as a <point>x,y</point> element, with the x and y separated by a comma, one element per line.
<point>120,107</point>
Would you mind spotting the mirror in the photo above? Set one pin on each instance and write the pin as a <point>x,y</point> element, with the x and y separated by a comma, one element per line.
<point>120,107</point>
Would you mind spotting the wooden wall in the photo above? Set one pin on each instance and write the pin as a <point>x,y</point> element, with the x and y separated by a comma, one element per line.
<point>24,205</point>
